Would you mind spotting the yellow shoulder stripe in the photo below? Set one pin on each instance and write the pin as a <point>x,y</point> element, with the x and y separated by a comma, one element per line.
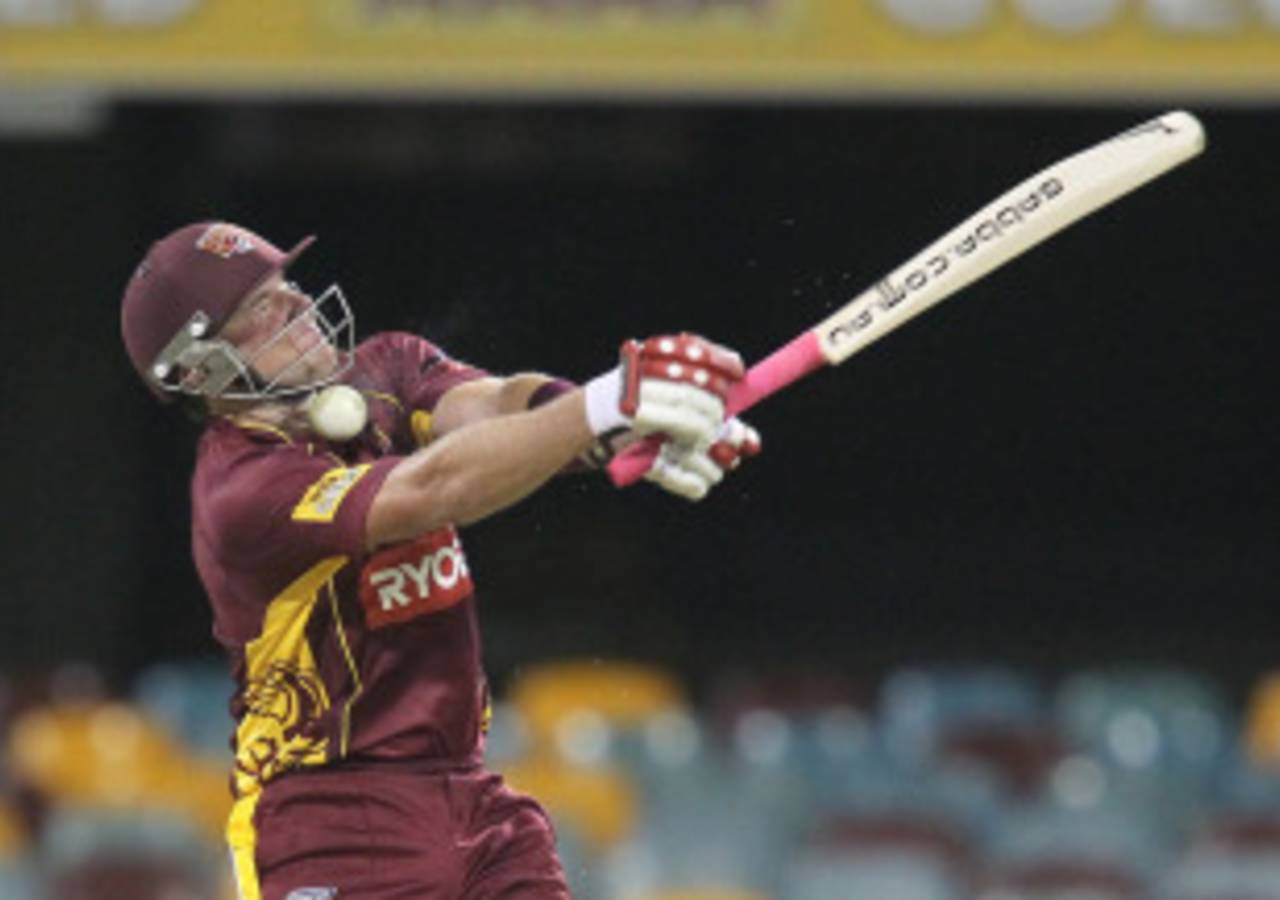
<point>321,501</point>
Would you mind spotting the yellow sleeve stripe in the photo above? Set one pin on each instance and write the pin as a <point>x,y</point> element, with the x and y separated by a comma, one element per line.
<point>321,501</point>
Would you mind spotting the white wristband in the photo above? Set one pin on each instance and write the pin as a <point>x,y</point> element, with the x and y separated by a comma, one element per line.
<point>604,398</point>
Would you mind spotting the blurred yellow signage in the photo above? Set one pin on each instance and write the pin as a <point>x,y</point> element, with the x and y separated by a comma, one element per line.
<point>813,47</point>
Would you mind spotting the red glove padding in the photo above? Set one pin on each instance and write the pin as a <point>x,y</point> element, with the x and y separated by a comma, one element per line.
<point>738,441</point>
<point>680,358</point>
<point>674,385</point>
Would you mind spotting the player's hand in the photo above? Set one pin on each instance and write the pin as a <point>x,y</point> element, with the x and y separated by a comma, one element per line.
<point>675,385</point>
<point>691,472</point>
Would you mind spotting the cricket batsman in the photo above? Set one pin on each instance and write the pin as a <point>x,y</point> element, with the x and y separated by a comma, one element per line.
<point>331,480</point>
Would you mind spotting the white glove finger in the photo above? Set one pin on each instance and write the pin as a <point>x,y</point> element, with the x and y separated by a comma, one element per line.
<point>688,415</point>
<point>738,433</point>
<point>691,473</point>
<point>659,394</point>
<point>685,427</point>
<point>676,479</point>
<point>734,431</point>
<point>702,465</point>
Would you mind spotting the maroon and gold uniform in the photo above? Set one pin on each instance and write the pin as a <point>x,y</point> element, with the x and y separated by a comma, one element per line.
<point>361,703</point>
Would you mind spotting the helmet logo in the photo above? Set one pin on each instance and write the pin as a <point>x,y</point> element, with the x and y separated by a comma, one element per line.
<point>225,241</point>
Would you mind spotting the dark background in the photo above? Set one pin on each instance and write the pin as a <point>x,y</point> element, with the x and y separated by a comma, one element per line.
<point>1069,464</point>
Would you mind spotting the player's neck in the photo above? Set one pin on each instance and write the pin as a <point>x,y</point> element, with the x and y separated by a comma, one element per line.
<point>282,414</point>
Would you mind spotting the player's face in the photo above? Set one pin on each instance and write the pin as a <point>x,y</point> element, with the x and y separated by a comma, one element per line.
<point>276,332</point>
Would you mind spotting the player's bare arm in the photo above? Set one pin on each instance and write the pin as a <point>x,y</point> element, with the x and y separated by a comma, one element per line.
<point>485,398</point>
<point>477,468</point>
<point>489,457</point>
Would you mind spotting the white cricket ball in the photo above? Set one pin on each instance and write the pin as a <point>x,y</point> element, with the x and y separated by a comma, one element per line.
<point>338,412</point>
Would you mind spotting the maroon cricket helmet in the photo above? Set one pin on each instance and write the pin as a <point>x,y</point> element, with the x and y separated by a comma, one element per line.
<point>201,272</point>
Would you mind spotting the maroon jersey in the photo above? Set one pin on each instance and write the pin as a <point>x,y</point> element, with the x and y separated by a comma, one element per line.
<point>339,652</point>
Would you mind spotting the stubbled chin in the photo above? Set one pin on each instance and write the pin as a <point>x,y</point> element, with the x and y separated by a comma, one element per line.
<point>319,364</point>
<point>329,359</point>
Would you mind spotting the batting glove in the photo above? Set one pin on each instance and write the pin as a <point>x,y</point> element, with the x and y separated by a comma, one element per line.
<point>691,472</point>
<point>675,385</point>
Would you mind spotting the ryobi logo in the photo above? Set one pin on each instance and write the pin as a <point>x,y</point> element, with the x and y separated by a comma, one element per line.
<point>410,580</point>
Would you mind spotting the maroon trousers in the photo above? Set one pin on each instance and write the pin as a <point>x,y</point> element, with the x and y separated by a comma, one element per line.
<point>368,833</point>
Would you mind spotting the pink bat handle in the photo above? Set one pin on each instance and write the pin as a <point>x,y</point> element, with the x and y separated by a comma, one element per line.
<point>777,370</point>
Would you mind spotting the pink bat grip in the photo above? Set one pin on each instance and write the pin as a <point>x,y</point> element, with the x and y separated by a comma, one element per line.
<point>777,370</point>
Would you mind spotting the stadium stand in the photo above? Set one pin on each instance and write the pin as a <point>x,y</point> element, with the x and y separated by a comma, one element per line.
<point>937,784</point>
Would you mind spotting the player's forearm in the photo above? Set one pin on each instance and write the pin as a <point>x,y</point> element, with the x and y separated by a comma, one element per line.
<point>477,470</point>
<point>518,391</point>
<point>487,398</point>
<point>508,458</point>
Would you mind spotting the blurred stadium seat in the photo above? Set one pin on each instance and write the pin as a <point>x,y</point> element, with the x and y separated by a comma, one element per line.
<point>829,875</point>
<point>13,832</point>
<point>19,880</point>
<point>508,735</point>
<point>1021,756</point>
<point>145,854</point>
<point>968,795</point>
<point>1243,786</point>
<point>790,789</point>
<point>707,893</point>
<point>669,749</point>
<point>801,729</point>
<point>1065,880</point>
<point>1161,735</point>
<point>657,864</point>
<point>893,833</point>
<point>110,756</point>
<point>578,858</point>
<point>918,704</point>
<point>192,700</point>
<point>1150,719</point>
<point>556,698</point>
<point>1123,839</point>
<point>108,879</point>
<point>17,876</point>
<point>709,826</point>
<point>1231,854</point>
<point>797,694</point>
<point>598,802</point>
<point>1237,834</point>
<point>1222,877</point>
<point>1262,722</point>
